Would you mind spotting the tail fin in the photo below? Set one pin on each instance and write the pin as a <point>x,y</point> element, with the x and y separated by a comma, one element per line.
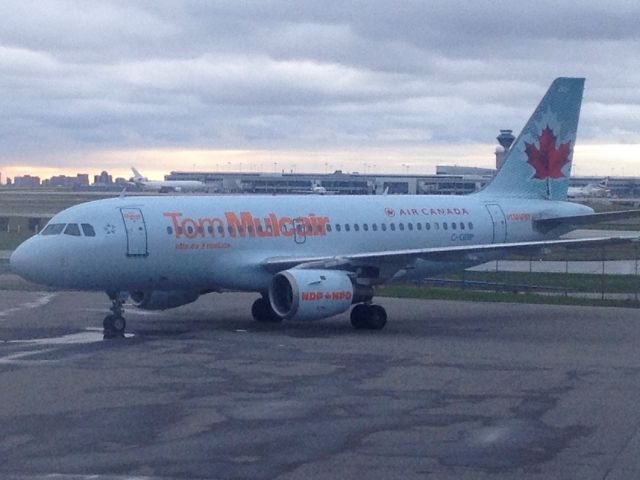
<point>136,175</point>
<point>538,164</point>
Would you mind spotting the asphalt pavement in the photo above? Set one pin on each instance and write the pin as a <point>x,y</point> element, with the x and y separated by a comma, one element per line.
<point>448,390</point>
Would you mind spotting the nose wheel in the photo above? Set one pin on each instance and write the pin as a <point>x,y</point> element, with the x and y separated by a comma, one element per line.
<point>114,324</point>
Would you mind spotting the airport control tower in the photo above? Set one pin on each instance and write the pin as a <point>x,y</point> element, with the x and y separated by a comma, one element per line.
<point>505,139</point>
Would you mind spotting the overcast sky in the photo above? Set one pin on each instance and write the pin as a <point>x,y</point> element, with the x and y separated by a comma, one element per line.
<point>311,85</point>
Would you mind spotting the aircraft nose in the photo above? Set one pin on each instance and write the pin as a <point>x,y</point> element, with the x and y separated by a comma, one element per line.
<point>28,262</point>
<point>19,261</point>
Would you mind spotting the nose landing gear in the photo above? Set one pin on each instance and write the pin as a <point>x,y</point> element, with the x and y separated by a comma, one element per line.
<point>114,324</point>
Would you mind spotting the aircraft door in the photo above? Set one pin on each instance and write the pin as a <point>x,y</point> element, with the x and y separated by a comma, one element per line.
<point>136,231</point>
<point>499,223</point>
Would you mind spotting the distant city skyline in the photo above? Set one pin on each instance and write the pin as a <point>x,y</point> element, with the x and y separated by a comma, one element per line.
<point>594,160</point>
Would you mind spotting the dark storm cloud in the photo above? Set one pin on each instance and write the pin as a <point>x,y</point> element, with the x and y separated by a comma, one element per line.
<point>304,74</point>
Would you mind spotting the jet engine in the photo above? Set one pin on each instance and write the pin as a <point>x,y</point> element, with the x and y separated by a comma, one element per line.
<point>161,300</point>
<point>310,294</point>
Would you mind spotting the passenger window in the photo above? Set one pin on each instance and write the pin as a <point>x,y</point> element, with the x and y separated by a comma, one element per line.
<point>190,230</point>
<point>259,228</point>
<point>249,229</point>
<point>374,227</point>
<point>310,228</point>
<point>461,225</point>
<point>53,229</point>
<point>365,227</point>
<point>347,227</point>
<point>470,226</point>
<point>210,229</point>
<point>419,226</point>
<point>410,226</point>
<point>338,227</point>
<point>401,226</point>
<point>392,226</point>
<point>454,225</point>
<point>383,227</point>
<point>328,226</point>
<point>179,230</point>
<point>445,226</point>
<point>220,229</point>
<point>72,229</point>
<point>427,226</point>
<point>231,230</point>
<point>436,225</point>
<point>169,230</point>
<point>356,227</point>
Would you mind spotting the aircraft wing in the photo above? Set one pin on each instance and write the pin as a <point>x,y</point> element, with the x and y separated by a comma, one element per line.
<point>457,253</point>
<point>546,224</point>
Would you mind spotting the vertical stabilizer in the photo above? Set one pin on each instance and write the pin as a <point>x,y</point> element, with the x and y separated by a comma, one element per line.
<point>137,176</point>
<point>538,164</point>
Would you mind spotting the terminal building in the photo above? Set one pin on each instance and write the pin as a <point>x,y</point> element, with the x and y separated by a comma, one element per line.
<point>444,182</point>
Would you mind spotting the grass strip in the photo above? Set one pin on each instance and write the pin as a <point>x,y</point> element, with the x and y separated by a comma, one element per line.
<point>438,293</point>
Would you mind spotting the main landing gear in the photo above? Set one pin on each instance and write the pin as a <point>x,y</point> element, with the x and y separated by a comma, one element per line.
<point>262,311</point>
<point>368,317</point>
<point>114,324</point>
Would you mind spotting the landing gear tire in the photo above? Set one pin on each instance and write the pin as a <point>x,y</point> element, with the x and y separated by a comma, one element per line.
<point>114,324</point>
<point>262,312</point>
<point>368,317</point>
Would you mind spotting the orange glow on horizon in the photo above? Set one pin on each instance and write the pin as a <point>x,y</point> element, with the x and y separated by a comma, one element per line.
<point>594,159</point>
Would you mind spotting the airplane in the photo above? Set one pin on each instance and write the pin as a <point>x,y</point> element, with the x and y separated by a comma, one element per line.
<point>164,186</point>
<point>590,190</point>
<point>316,188</point>
<point>311,257</point>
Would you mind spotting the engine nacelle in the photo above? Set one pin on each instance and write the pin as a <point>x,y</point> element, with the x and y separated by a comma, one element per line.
<point>310,294</point>
<point>161,300</point>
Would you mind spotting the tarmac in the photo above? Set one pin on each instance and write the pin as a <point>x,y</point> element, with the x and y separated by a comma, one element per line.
<point>448,390</point>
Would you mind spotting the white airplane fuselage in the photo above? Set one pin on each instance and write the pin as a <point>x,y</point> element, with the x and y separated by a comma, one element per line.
<point>220,242</point>
<point>170,185</point>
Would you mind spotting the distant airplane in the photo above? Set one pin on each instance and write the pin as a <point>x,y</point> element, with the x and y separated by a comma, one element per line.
<point>591,190</point>
<point>310,256</point>
<point>164,186</point>
<point>316,189</point>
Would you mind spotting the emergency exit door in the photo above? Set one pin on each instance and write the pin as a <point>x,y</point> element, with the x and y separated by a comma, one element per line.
<point>136,231</point>
<point>499,223</point>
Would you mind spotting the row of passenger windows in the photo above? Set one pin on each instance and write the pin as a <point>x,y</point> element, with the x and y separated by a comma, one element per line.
<point>338,227</point>
<point>401,226</point>
<point>72,229</point>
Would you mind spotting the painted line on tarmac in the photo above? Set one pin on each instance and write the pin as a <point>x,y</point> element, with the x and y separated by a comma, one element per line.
<point>37,303</point>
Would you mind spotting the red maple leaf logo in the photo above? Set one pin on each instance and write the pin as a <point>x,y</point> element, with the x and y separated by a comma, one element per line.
<point>548,160</point>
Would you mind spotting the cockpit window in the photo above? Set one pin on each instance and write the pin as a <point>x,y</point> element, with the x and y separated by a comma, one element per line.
<point>88,230</point>
<point>53,229</point>
<point>72,229</point>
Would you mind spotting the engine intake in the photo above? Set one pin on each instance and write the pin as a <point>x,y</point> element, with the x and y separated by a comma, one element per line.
<point>310,294</point>
<point>161,300</point>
